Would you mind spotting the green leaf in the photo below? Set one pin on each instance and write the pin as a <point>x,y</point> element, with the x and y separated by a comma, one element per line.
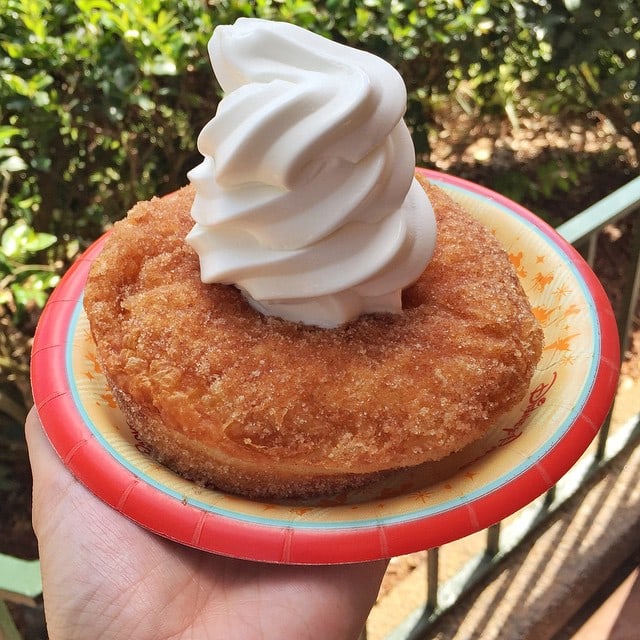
<point>13,164</point>
<point>31,13</point>
<point>34,290</point>
<point>89,6</point>
<point>480,8</point>
<point>20,240</point>
<point>13,239</point>
<point>161,66</point>
<point>7,132</point>
<point>39,241</point>
<point>17,84</point>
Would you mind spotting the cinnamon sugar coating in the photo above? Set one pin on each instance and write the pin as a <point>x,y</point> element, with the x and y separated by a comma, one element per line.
<point>267,408</point>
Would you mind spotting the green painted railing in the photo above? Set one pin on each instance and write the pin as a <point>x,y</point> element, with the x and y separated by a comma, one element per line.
<point>583,229</point>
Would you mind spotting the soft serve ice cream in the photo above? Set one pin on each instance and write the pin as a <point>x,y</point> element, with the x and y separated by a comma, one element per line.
<point>306,199</point>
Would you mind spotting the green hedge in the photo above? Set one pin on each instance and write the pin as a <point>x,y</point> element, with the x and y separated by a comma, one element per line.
<point>101,100</point>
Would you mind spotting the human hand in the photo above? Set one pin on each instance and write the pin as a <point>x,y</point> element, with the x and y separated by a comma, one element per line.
<point>106,578</point>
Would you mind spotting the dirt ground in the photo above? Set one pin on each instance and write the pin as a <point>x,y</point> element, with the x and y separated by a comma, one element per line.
<point>591,161</point>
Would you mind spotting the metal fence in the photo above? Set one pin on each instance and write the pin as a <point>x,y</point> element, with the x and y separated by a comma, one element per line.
<point>582,231</point>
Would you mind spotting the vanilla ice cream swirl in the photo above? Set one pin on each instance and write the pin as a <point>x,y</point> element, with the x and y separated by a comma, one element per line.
<point>306,199</point>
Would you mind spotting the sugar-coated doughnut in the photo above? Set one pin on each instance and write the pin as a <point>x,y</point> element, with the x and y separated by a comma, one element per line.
<point>267,408</point>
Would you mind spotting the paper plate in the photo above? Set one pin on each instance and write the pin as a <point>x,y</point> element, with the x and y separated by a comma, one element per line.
<point>521,458</point>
